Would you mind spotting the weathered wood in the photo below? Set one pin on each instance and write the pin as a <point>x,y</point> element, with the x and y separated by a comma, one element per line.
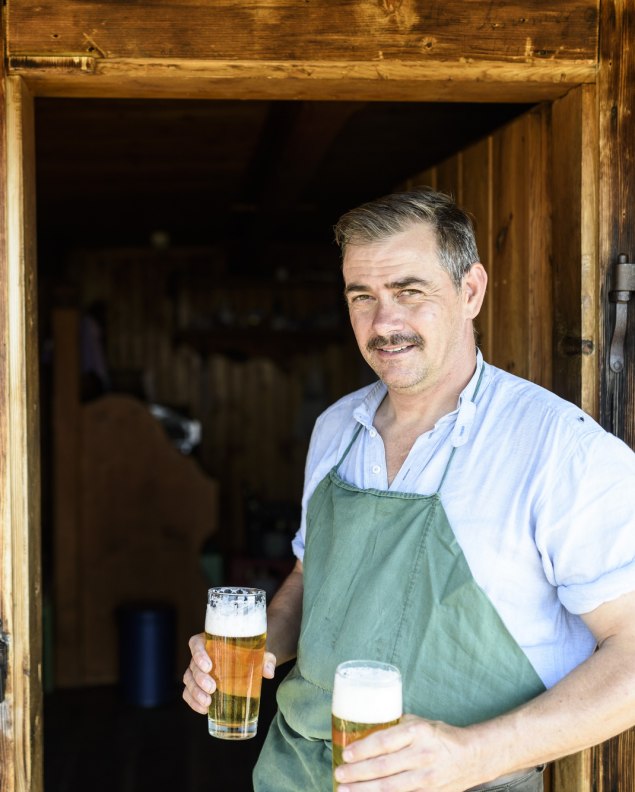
<point>20,592</point>
<point>343,80</point>
<point>7,726</point>
<point>574,185</point>
<point>502,181</point>
<point>407,30</point>
<point>572,773</point>
<point>614,761</point>
<point>477,199</point>
<point>522,282</point>
<point>616,87</point>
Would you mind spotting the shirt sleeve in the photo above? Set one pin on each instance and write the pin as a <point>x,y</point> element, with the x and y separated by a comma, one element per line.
<point>587,530</point>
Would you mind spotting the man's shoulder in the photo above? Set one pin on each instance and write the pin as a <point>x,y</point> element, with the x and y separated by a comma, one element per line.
<point>533,403</point>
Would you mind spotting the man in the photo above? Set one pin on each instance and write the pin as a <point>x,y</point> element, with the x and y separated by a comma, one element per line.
<point>468,526</point>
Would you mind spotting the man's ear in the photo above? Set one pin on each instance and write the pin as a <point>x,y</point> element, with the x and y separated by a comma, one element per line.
<point>474,286</point>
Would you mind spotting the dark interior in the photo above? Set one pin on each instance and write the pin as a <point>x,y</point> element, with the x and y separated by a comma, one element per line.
<point>251,177</point>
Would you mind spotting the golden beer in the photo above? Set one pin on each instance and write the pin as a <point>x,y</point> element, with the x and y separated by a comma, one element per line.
<point>235,635</point>
<point>367,697</point>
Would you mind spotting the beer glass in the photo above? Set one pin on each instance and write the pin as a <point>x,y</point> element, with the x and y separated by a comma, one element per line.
<point>235,633</point>
<point>367,697</point>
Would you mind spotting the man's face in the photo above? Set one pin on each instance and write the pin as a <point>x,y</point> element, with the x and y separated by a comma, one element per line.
<point>411,324</point>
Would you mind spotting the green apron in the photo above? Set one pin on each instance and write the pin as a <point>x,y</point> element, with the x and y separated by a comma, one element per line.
<point>385,579</point>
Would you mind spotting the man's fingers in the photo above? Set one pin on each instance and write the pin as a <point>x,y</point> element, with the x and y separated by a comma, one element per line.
<point>199,688</point>
<point>193,703</point>
<point>269,665</point>
<point>382,742</point>
<point>197,698</point>
<point>199,655</point>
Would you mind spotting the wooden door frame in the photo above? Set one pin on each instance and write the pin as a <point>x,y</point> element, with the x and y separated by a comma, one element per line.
<point>20,585</point>
<point>20,570</point>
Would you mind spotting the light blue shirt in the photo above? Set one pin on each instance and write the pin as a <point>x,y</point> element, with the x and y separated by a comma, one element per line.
<point>540,498</point>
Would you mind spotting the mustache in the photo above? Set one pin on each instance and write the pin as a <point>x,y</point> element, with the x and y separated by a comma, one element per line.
<point>396,339</point>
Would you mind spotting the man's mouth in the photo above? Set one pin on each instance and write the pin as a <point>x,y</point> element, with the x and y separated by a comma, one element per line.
<point>395,345</point>
<point>395,351</point>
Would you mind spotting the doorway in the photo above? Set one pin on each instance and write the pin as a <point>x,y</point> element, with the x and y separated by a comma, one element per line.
<point>191,241</point>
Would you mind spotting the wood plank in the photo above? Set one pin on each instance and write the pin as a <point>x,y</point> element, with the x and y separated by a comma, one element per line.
<point>572,773</point>
<point>509,284</point>
<point>477,199</point>
<point>7,725</point>
<point>21,712</point>
<point>576,288</point>
<point>295,30</point>
<point>616,89</point>
<point>538,251</point>
<point>590,295</point>
<point>615,760</point>
<point>345,80</point>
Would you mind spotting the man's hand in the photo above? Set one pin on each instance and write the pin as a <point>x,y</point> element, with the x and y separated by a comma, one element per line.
<point>199,685</point>
<point>414,755</point>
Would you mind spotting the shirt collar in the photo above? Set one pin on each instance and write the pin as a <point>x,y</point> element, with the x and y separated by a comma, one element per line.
<point>465,410</point>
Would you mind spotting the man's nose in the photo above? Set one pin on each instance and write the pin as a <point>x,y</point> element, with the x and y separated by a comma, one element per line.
<point>388,317</point>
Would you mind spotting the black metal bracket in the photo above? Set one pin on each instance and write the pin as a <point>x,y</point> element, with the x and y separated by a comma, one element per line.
<point>623,288</point>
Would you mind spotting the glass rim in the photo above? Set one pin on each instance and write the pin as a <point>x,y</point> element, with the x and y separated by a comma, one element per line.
<point>379,664</point>
<point>243,592</point>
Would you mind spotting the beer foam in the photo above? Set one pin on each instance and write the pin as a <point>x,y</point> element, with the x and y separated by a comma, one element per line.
<point>232,622</point>
<point>367,694</point>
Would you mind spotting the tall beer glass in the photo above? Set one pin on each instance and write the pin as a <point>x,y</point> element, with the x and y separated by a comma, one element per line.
<point>235,633</point>
<point>367,697</point>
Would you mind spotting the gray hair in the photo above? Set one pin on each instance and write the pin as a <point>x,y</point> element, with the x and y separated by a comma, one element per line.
<point>378,220</point>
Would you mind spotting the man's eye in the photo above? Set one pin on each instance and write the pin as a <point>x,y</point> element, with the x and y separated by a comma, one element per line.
<point>357,298</point>
<point>410,292</point>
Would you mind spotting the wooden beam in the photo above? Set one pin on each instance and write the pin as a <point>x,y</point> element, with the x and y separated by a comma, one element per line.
<point>288,30</point>
<point>345,80</point>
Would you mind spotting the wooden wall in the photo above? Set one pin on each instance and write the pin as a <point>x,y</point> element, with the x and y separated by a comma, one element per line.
<point>254,359</point>
<point>503,182</point>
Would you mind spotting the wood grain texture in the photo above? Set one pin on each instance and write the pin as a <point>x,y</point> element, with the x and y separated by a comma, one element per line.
<point>355,80</point>
<point>21,590</point>
<point>405,30</point>
<point>614,761</point>
<point>616,87</point>
<point>520,288</point>
<point>7,738</point>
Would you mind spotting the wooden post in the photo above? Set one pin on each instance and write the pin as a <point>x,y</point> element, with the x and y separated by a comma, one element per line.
<point>20,586</point>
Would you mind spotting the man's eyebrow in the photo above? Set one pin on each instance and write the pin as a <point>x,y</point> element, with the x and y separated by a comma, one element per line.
<point>401,283</point>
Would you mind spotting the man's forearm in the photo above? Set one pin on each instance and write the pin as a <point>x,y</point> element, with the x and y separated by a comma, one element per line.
<point>284,616</point>
<point>593,703</point>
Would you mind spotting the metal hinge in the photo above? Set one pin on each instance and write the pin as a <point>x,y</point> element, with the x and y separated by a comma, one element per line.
<point>623,278</point>
<point>4,660</point>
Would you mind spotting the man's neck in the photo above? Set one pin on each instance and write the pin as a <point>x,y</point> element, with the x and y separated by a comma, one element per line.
<point>423,408</point>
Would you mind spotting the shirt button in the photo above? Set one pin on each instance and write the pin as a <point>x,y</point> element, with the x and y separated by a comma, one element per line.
<point>376,469</point>
<point>373,433</point>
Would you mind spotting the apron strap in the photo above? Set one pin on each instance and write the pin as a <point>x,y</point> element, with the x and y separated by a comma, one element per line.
<point>348,448</point>
<point>472,400</point>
